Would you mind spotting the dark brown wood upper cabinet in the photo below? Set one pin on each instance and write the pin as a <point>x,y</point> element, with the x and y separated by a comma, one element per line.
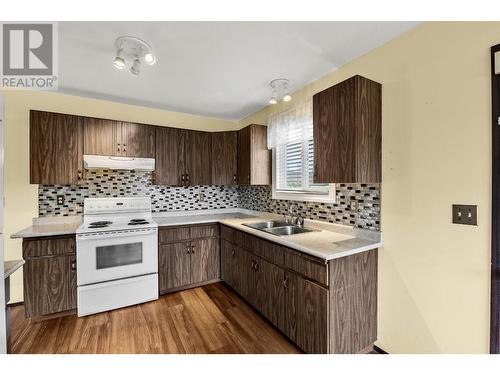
<point>55,148</point>
<point>101,137</point>
<point>183,157</point>
<point>348,132</point>
<point>117,138</point>
<point>224,158</point>
<point>198,158</point>
<point>254,159</point>
<point>170,156</point>
<point>138,140</point>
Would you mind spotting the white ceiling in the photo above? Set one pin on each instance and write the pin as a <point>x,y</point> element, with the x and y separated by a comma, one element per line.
<point>217,69</point>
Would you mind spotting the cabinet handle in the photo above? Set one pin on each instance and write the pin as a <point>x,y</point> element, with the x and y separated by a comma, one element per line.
<point>234,177</point>
<point>192,249</point>
<point>233,253</point>
<point>188,249</point>
<point>256,266</point>
<point>73,265</point>
<point>253,264</point>
<point>285,282</point>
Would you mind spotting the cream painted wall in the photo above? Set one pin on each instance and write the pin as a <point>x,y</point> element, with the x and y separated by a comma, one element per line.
<point>433,276</point>
<point>21,203</point>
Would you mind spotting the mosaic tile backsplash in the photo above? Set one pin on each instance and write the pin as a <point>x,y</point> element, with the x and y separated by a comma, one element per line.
<point>113,183</point>
<point>367,197</point>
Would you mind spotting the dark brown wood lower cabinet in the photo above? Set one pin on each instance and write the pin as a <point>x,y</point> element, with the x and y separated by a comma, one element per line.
<point>174,265</point>
<point>230,265</point>
<point>50,276</point>
<point>312,317</point>
<point>205,260</point>
<point>188,255</point>
<point>322,307</point>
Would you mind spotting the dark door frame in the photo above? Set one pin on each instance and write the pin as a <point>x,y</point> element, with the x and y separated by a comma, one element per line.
<point>495,218</point>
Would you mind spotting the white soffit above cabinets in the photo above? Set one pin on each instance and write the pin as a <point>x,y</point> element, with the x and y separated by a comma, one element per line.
<point>215,69</point>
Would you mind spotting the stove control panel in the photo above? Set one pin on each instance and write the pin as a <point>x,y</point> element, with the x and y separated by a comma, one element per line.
<point>116,205</point>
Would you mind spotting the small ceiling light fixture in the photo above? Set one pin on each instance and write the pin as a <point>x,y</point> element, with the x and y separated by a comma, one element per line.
<point>280,90</point>
<point>135,50</point>
<point>119,61</point>
<point>136,67</point>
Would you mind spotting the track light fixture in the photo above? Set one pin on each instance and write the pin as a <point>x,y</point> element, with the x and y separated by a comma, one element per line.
<point>135,50</point>
<point>280,90</point>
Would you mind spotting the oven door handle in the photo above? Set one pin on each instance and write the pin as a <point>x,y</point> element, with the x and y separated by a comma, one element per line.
<point>83,237</point>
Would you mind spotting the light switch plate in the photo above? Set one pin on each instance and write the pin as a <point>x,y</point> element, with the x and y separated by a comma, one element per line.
<point>464,214</point>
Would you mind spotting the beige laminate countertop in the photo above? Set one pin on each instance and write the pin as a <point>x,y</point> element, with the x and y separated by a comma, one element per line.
<point>11,266</point>
<point>330,241</point>
<point>45,230</point>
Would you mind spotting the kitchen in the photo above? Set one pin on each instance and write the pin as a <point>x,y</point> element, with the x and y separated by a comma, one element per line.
<point>276,229</point>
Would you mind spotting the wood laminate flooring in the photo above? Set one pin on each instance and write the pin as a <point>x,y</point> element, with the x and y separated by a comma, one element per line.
<point>208,319</point>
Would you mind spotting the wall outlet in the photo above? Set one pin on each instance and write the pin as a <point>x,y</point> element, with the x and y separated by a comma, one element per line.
<point>464,214</point>
<point>60,200</point>
<point>201,197</point>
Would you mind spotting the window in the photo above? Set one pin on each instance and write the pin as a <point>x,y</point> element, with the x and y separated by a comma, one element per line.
<point>290,135</point>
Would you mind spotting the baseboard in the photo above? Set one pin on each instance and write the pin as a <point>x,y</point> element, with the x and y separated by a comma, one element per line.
<point>379,350</point>
<point>189,286</point>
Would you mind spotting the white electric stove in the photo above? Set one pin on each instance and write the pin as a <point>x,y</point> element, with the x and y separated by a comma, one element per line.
<point>117,254</point>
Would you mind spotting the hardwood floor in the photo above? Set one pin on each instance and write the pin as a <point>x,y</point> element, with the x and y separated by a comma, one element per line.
<point>209,319</point>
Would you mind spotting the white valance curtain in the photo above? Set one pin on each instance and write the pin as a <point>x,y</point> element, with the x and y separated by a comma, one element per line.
<point>291,126</point>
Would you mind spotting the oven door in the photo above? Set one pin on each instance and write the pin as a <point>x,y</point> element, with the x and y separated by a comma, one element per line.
<point>112,256</point>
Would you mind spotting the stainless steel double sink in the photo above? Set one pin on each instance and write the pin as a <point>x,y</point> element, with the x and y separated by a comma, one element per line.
<point>279,228</point>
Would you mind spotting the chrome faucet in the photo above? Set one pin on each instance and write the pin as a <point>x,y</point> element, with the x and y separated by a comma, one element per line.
<point>289,217</point>
<point>294,220</point>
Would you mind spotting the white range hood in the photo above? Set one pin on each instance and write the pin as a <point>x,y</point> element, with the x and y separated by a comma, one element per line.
<point>118,162</point>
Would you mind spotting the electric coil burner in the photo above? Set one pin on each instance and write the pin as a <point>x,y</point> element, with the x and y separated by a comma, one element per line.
<point>100,224</point>
<point>116,254</point>
<point>138,222</point>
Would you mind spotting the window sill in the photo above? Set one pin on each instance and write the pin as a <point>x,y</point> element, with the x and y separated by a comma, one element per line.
<point>305,197</point>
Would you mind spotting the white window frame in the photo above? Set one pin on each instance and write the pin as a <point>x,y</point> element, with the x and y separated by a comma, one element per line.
<point>299,195</point>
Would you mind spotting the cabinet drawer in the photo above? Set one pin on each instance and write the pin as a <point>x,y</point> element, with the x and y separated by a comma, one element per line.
<point>229,234</point>
<point>168,235</point>
<point>202,231</point>
<point>251,243</point>
<point>312,268</point>
<point>272,252</point>
<point>49,246</point>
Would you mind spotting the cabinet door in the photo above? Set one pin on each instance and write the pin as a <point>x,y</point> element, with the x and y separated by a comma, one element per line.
<point>347,132</point>
<point>55,148</point>
<point>138,140</point>
<point>170,161</point>
<point>198,158</point>
<point>224,158</point>
<point>47,288</point>
<point>312,317</point>
<point>205,260</point>
<point>174,265</point>
<point>101,137</point>
<point>246,276</point>
<point>72,302</point>
<point>271,297</point>
<point>230,263</point>
<point>226,263</point>
<point>244,156</point>
<point>288,324</point>
<point>260,156</point>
